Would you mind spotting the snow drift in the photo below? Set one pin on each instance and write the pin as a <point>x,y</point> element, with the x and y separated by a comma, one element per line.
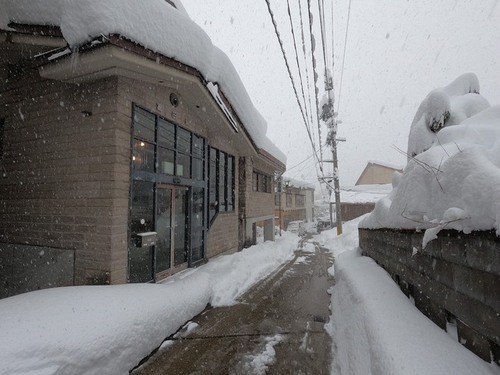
<point>455,183</point>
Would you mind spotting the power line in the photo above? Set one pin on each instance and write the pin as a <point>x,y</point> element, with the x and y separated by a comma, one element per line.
<point>305,63</point>
<point>297,60</point>
<point>343,57</point>
<point>290,75</point>
<point>316,90</point>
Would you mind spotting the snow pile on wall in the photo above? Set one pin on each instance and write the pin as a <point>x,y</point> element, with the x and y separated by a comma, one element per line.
<point>107,330</point>
<point>455,183</point>
<point>376,329</point>
<point>155,25</point>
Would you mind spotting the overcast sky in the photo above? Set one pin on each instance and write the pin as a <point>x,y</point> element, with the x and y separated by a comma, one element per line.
<point>396,52</point>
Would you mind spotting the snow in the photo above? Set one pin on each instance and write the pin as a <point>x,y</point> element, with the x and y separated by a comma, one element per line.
<point>109,329</point>
<point>363,193</point>
<point>292,182</point>
<point>376,329</point>
<point>258,364</point>
<point>147,23</point>
<point>455,183</point>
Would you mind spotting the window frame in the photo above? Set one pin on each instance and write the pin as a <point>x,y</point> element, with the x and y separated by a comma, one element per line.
<point>221,200</point>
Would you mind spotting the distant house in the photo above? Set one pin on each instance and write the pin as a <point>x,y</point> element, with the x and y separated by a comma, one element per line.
<point>129,148</point>
<point>356,201</point>
<point>294,202</point>
<point>374,182</point>
<point>377,172</point>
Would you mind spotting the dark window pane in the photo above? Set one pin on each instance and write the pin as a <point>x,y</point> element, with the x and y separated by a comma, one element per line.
<point>198,204</point>
<point>197,169</point>
<point>299,200</point>
<point>222,181</point>
<point>213,183</point>
<point>142,207</point>
<point>197,245</point>
<point>166,134</point>
<point>180,248</point>
<point>183,141</point>
<point>255,181</point>
<point>143,156</point>
<point>230,183</point>
<point>198,146</point>
<point>144,125</point>
<point>183,165</point>
<point>165,161</point>
<point>163,226</point>
<point>2,135</point>
<point>141,264</point>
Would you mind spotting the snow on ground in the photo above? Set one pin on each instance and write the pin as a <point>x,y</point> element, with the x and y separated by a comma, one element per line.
<point>258,363</point>
<point>455,182</point>
<point>376,329</point>
<point>109,329</point>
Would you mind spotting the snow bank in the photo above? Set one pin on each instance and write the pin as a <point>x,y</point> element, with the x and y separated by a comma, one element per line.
<point>154,24</point>
<point>454,184</point>
<point>377,330</point>
<point>109,329</point>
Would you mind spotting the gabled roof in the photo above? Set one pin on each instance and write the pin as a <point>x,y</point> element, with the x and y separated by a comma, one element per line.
<point>158,27</point>
<point>371,164</point>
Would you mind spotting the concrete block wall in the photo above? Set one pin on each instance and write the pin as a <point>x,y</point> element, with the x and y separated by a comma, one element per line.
<point>66,168</point>
<point>455,277</point>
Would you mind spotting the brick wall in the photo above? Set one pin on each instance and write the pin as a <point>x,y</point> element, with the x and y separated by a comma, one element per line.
<point>65,181</point>
<point>223,234</point>
<point>456,277</point>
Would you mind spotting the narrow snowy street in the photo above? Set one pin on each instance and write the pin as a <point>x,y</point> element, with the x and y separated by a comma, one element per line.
<point>277,328</point>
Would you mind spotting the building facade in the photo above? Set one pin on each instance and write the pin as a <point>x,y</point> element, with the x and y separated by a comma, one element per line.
<point>294,202</point>
<point>119,164</point>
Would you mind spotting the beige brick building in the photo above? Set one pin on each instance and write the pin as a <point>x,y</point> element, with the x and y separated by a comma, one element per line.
<point>294,202</point>
<point>118,164</point>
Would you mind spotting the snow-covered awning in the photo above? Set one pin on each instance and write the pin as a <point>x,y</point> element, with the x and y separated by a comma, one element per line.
<point>157,26</point>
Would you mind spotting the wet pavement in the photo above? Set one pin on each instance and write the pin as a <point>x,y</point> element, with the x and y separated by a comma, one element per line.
<point>280,320</point>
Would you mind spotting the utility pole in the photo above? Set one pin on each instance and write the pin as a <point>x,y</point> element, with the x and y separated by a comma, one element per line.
<point>330,117</point>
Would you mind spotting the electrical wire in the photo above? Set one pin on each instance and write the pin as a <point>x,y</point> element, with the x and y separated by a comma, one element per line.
<point>305,61</point>
<point>298,64</point>
<point>343,57</point>
<point>290,76</point>
<point>316,90</point>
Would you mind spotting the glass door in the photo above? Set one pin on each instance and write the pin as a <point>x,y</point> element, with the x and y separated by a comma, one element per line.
<point>180,256</point>
<point>171,250</point>
<point>163,248</point>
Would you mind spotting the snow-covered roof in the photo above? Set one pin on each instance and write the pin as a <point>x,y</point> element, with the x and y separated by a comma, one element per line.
<point>363,193</point>
<point>385,164</point>
<point>297,183</point>
<point>454,184</point>
<point>157,26</point>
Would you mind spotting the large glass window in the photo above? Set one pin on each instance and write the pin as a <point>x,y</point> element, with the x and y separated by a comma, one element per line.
<point>162,147</point>
<point>221,184</point>
<point>174,208</point>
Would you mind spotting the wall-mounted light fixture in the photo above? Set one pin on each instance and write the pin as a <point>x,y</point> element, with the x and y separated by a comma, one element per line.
<point>174,99</point>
